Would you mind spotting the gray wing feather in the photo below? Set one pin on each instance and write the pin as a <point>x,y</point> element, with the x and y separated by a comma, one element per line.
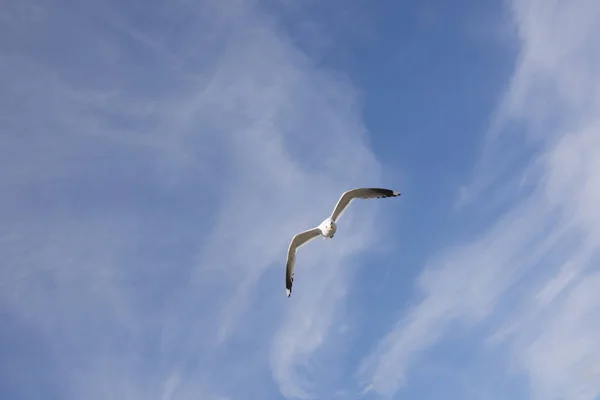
<point>298,240</point>
<point>360,193</point>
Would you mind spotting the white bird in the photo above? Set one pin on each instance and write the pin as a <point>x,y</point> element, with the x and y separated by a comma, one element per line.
<point>328,227</point>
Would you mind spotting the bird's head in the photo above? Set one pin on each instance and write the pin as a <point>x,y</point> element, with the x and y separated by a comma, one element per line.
<point>332,228</point>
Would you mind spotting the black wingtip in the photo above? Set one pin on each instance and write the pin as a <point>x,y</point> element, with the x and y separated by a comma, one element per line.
<point>387,192</point>
<point>288,286</point>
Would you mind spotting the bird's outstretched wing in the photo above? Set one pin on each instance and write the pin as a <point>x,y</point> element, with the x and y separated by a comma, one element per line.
<point>360,193</point>
<point>297,241</point>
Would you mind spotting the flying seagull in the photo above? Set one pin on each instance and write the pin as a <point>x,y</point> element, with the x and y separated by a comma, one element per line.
<point>328,227</point>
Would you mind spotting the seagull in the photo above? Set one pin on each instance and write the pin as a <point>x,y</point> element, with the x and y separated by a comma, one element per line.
<point>328,227</point>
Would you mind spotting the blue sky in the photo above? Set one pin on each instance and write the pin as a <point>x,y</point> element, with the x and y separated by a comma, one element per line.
<point>157,158</point>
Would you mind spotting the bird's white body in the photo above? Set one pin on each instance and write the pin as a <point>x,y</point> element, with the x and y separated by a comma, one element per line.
<point>328,227</point>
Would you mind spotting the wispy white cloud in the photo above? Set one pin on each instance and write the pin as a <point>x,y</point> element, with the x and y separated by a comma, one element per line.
<point>152,179</point>
<point>529,276</point>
